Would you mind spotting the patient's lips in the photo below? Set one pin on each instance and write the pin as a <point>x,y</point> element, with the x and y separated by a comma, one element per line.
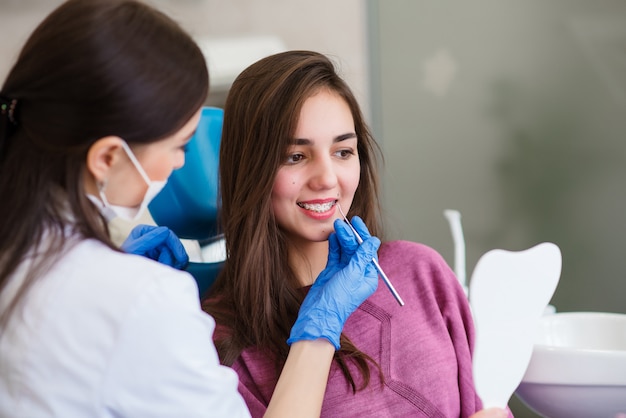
<point>318,207</point>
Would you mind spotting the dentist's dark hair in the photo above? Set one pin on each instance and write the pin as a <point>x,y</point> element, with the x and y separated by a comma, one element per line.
<point>91,69</point>
<point>256,298</point>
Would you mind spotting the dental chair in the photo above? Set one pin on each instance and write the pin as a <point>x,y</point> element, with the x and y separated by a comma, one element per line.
<point>188,204</point>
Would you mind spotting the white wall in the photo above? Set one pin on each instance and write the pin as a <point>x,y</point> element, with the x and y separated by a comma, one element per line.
<point>336,28</point>
<point>513,113</point>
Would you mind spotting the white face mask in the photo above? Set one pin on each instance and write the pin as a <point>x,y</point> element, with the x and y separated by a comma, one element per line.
<point>132,213</point>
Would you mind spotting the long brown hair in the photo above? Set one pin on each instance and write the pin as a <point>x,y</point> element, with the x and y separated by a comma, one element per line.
<point>257,296</point>
<point>92,68</point>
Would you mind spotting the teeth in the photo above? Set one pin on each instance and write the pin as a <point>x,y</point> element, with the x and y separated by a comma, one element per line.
<point>317,207</point>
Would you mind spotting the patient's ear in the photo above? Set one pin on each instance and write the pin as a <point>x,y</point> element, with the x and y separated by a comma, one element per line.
<point>102,155</point>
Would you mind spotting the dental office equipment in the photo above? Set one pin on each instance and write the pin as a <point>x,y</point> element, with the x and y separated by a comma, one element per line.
<point>454,218</point>
<point>509,291</point>
<point>378,268</point>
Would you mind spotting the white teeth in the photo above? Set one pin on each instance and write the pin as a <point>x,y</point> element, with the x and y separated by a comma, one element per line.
<point>317,207</point>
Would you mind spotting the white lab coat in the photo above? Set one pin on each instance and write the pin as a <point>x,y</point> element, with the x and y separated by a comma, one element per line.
<point>106,334</point>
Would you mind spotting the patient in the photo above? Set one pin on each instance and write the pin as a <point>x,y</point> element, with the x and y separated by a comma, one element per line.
<point>295,147</point>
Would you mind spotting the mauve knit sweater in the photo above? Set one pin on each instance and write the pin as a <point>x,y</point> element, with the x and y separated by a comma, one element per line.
<point>424,348</point>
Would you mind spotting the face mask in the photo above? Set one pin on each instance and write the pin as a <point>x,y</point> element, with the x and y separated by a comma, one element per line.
<point>132,213</point>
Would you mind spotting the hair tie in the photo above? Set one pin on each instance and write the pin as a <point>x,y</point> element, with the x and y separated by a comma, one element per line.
<point>8,107</point>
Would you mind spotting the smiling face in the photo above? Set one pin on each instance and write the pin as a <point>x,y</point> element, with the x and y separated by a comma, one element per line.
<point>322,169</point>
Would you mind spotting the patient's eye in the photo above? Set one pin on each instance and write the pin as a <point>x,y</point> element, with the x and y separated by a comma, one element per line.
<point>294,158</point>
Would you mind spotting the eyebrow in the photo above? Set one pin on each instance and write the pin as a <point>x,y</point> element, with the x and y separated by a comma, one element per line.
<point>339,138</point>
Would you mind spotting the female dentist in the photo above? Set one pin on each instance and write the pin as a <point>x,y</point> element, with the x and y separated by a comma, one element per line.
<point>94,116</point>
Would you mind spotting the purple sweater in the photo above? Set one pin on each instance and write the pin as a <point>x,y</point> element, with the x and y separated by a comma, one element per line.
<point>424,347</point>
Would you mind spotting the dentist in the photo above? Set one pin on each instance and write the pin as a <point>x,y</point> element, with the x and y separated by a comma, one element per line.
<point>94,116</point>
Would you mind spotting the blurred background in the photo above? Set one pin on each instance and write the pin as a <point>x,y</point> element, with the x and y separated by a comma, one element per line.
<point>512,112</point>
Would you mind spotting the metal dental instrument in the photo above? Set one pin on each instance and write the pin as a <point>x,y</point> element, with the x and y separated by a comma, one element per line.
<point>378,268</point>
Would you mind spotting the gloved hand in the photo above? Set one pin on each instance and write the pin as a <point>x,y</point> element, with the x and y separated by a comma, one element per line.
<point>348,279</point>
<point>157,243</point>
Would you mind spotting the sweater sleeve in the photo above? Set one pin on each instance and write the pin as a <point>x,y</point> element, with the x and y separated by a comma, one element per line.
<point>456,311</point>
<point>441,309</point>
<point>455,308</point>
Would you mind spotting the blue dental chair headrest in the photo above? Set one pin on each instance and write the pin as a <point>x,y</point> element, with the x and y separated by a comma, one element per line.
<point>188,204</point>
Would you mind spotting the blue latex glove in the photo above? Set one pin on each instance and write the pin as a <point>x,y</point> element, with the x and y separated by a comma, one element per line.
<point>348,279</point>
<point>157,243</point>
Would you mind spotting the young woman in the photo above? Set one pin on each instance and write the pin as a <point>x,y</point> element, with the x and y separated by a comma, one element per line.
<point>294,149</point>
<point>94,116</point>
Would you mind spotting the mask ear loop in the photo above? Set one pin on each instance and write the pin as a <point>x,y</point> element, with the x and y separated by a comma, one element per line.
<point>102,185</point>
<point>135,162</point>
